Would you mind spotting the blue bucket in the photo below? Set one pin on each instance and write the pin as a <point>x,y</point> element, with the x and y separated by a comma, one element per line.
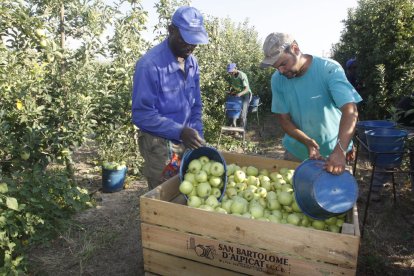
<point>363,126</point>
<point>113,180</point>
<point>386,141</point>
<point>320,194</point>
<point>212,154</point>
<point>254,104</point>
<point>233,106</point>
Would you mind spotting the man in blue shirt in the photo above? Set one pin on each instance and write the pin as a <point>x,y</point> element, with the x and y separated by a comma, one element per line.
<point>314,103</point>
<point>166,100</point>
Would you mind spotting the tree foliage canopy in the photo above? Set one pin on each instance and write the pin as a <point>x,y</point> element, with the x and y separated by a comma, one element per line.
<point>380,34</point>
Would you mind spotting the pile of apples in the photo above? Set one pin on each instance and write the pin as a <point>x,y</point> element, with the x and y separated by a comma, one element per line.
<point>250,192</point>
<point>114,165</point>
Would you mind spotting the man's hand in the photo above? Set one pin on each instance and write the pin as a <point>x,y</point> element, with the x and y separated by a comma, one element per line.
<point>313,149</point>
<point>191,139</point>
<point>335,163</point>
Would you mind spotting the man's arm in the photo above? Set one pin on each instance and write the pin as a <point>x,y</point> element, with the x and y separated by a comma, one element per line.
<point>337,160</point>
<point>293,131</point>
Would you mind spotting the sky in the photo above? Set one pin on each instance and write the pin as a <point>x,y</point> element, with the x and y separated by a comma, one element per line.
<point>315,24</point>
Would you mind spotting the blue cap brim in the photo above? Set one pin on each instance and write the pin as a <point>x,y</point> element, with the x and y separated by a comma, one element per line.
<point>195,38</point>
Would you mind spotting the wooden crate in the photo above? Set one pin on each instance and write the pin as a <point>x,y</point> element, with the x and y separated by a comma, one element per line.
<point>180,240</point>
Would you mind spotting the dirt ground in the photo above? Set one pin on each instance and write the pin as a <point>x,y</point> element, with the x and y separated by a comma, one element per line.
<point>106,240</point>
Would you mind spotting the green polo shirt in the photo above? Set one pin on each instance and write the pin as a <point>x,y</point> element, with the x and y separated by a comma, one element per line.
<point>240,82</point>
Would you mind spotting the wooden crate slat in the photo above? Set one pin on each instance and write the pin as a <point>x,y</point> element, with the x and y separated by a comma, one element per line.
<point>166,264</point>
<point>309,243</point>
<point>243,259</point>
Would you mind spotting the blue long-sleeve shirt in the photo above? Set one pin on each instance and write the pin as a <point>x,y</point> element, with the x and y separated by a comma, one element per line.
<point>164,98</point>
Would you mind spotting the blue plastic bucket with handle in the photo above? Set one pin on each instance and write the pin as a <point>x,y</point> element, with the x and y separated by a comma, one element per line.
<point>233,106</point>
<point>382,143</point>
<point>212,154</point>
<point>320,194</point>
<point>113,180</point>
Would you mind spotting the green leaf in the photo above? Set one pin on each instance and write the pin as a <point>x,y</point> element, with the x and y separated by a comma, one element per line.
<point>11,202</point>
<point>3,188</point>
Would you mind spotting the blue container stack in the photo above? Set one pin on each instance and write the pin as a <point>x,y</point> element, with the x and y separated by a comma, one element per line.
<point>212,154</point>
<point>233,106</point>
<point>382,144</point>
<point>363,126</point>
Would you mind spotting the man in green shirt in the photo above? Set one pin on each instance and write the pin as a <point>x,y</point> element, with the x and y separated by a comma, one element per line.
<point>239,86</point>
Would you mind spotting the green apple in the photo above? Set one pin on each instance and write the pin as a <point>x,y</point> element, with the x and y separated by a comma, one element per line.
<point>305,221</point>
<point>275,176</point>
<point>256,211</point>
<point>331,221</point>
<point>250,170</point>
<point>193,192</point>
<point>287,188</point>
<point>248,194</point>
<point>215,181</point>
<point>283,171</point>
<point>226,205</point>
<point>206,207</point>
<point>230,169</point>
<point>190,177</point>
<point>264,172</point>
<point>186,187</point>
<point>220,210</point>
<point>267,185</point>
<point>206,167</point>
<point>262,202</point>
<point>285,198</point>
<point>252,180</point>
<point>204,160</point>
<point>231,192</point>
<point>318,224</point>
<point>217,169</point>
<point>273,218</point>
<point>40,32</point>
<point>194,166</point>
<point>334,228</point>
<point>203,189</point>
<point>339,222</point>
<point>293,219</point>
<point>43,43</point>
<point>239,176</point>
<point>277,213</point>
<point>295,207</point>
<point>271,195</point>
<point>194,201</point>
<point>201,176</point>
<point>241,187</point>
<point>264,179</point>
<point>212,201</point>
<point>253,188</point>
<point>25,155</point>
<point>238,206</point>
<point>273,204</point>
<point>261,191</point>
<point>216,192</point>
<point>247,215</point>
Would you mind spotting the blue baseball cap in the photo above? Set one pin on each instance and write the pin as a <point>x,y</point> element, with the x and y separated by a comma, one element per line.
<point>231,67</point>
<point>191,25</point>
<point>350,62</point>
